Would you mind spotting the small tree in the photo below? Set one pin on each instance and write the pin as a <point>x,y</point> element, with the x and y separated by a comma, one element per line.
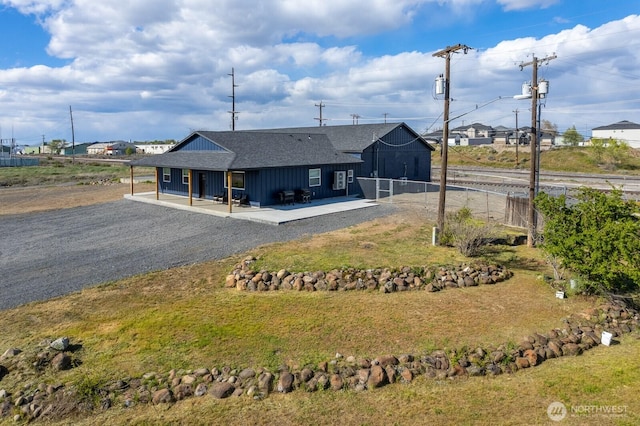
<point>56,145</point>
<point>549,127</point>
<point>597,148</point>
<point>572,137</point>
<point>609,152</point>
<point>598,237</point>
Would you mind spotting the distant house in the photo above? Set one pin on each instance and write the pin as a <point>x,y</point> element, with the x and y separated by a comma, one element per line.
<point>153,148</point>
<point>473,134</point>
<point>623,130</point>
<point>389,150</point>
<point>110,148</point>
<point>98,148</point>
<point>262,168</point>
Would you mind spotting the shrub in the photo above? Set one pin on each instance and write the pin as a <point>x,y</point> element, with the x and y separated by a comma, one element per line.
<point>597,237</point>
<point>465,233</point>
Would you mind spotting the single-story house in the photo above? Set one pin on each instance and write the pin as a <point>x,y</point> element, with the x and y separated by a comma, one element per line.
<point>388,150</point>
<point>623,131</point>
<point>256,168</point>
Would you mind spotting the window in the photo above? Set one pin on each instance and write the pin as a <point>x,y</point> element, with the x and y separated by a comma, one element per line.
<point>237,180</point>
<point>350,176</point>
<point>166,174</point>
<point>314,177</point>
<point>185,176</point>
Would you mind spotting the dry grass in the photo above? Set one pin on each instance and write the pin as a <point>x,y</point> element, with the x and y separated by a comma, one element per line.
<point>564,159</point>
<point>595,378</point>
<point>43,198</point>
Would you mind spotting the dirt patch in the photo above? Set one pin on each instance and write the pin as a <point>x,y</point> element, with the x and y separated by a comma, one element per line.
<point>43,198</point>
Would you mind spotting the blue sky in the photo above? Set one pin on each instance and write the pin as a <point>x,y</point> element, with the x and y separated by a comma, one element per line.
<point>158,69</point>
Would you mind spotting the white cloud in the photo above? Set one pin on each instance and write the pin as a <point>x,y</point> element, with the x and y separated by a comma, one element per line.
<point>526,4</point>
<point>157,68</point>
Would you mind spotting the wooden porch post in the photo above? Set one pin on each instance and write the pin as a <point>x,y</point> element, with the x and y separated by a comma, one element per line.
<point>131,177</point>
<point>157,185</point>
<point>190,187</point>
<point>229,191</point>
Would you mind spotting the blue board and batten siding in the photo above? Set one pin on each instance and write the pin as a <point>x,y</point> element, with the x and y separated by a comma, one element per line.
<point>262,186</point>
<point>399,154</point>
<point>199,143</point>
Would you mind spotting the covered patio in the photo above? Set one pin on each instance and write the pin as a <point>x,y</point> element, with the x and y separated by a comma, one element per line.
<point>273,215</point>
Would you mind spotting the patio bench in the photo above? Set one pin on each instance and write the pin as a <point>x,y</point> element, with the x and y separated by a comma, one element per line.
<point>286,197</point>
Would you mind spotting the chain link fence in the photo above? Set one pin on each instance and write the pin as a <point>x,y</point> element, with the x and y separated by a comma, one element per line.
<point>508,209</point>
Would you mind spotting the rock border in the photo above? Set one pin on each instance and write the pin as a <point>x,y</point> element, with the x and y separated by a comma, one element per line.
<point>386,280</point>
<point>40,400</point>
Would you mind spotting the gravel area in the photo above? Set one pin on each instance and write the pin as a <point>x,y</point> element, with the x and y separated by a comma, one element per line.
<point>50,254</point>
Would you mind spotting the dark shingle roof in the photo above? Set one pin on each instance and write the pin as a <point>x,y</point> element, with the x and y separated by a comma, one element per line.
<point>246,150</point>
<point>351,138</point>
<point>621,125</point>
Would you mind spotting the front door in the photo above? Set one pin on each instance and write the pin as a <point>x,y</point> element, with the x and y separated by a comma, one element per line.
<point>202,183</point>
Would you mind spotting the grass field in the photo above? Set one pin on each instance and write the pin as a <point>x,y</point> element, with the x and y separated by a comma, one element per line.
<point>183,318</point>
<point>53,171</point>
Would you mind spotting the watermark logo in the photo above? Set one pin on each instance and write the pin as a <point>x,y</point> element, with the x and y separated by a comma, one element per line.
<point>557,411</point>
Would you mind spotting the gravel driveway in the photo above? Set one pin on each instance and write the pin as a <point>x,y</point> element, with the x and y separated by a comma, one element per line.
<point>50,254</point>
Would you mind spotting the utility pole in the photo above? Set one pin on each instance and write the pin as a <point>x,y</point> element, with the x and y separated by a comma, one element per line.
<point>233,111</point>
<point>320,120</point>
<point>73,138</point>
<point>445,53</point>
<point>531,216</point>
<point>517,137</point>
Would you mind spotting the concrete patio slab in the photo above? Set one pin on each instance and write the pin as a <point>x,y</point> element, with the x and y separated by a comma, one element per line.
<point>273,215</point>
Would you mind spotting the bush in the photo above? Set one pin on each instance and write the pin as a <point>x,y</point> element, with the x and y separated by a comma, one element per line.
<point>465,233</point>
<point>598,237</point>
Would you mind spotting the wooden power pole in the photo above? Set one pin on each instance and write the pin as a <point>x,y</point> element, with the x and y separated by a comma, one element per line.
<point>445,53</point>
<point>531,216</point>
<point>73,138</point>
<point>233,100</point>
<point>320,120</point>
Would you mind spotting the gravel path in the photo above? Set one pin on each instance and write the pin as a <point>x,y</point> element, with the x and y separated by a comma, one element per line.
<point>50,254</point>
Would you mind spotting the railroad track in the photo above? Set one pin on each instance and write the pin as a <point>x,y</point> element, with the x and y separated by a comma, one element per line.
<point>517,181</point>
